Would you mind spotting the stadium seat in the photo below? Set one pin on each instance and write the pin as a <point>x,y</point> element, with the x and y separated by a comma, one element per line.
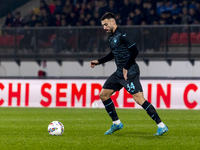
<point>193,37</point>
<point>52,37</point>
<point>18,38</point>
<point>48,43</point>
<point>9,40</point>
<point>183,38</point>
<point>198,37</point>
<point>2,40</point>
<point>174,39</point>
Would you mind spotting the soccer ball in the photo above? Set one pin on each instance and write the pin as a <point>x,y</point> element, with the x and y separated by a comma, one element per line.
<point>56,128</point>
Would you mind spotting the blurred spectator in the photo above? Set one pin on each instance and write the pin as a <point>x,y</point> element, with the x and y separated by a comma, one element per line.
<point>96,5</point>
<point>33,21</point>
<point>47,16</point>
<point>44,15</point>
<point>155,22</point>
<point>184,16</point>
<point>161,8</point>
<point>97,18</point>
<point>168,18</point>
<point>81,12</point>
<point>147,37</point>
<point>198,7</point>
<point>92,22</point>
<point>64,16</point>
<point>40,16</point>
<point>119,19</point>
<point>41,37</point>
<point>129,22</point>
<point>25,42</point>
<point>44,6</point>
<point>193,18</point>
<point>88,18</point>
<point>52,6</point>
<point>58,19</point>
<point>112,7</point>
<point>72,19</point>
<point>169,6</point>
<point>184,4</point>
<point>83,9</point>
<point>59,7</point>
<point>67,8</point>
<point>77,9</point>
<point>63,23</point>
<point>131,15</point>
<point>91,39</point>
<point>45,23</point>
<point>176,19</point>
<point>28,17</point>
<point>81,21</point>
<point>138,4</point>
<point>147,7</point>
<point>18,20</point>
<point>137,20</point>
<point>90,9</point>
<point>60,43</point>
<point>102,7</point>
<point>9,20</point>
<point>162,22</point>
<point>193,4</point>
<point>176,9</point>
<point>151,17</point>
<point>125,9</point>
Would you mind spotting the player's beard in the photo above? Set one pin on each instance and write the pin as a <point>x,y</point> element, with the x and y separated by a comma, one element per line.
<point>110,31</point>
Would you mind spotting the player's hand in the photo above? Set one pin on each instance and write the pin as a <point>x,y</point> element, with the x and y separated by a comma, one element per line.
<point>94,63</point>
<point>125,72</point>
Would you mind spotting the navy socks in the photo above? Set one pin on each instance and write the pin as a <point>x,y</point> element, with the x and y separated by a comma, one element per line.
<point>110,108</point>
<point>151,111</point>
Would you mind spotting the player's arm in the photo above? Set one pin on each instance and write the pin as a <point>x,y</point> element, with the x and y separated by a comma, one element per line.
<point>133,54</point>
<point>106,58</point>
<point>102,60</point>
<point>131,60</point>
<point>132,50</point>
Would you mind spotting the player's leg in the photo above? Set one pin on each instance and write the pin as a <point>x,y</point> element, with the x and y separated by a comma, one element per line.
<point>139,98</point>
<point>108,103</point>
<point>151,111</point>
<point>134,87</point>
<point>110,86</point>
<point>110,108</point>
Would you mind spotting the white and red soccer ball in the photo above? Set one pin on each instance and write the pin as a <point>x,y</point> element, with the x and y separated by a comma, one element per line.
<point>55,128</point>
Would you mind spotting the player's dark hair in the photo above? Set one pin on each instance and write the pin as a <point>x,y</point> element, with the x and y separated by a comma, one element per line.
<point>107,15</point>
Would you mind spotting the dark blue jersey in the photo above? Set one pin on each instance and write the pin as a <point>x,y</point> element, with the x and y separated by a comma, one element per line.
<point>123,51</point>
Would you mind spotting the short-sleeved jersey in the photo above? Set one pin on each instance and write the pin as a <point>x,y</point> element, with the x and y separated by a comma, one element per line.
<point>120,45</point>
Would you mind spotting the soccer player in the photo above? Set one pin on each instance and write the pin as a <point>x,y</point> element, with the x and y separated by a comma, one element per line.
<point>127,74</point>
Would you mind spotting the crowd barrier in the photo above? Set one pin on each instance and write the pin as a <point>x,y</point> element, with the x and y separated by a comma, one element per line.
<point>169,42</point>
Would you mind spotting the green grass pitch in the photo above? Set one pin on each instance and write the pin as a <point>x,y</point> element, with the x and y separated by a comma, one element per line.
<point>26,129</point>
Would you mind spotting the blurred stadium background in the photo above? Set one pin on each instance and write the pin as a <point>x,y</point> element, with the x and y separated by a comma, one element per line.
<point>52,36</point>
<point>45,50</point>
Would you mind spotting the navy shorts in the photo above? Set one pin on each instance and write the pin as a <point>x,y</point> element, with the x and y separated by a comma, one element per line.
<point>132,85</point>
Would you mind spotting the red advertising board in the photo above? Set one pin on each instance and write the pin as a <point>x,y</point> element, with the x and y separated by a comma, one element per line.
<point>164,94</point>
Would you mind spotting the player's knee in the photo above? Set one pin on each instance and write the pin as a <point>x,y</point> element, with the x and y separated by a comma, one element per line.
<point>139,99</point>
<point>103,97</point>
